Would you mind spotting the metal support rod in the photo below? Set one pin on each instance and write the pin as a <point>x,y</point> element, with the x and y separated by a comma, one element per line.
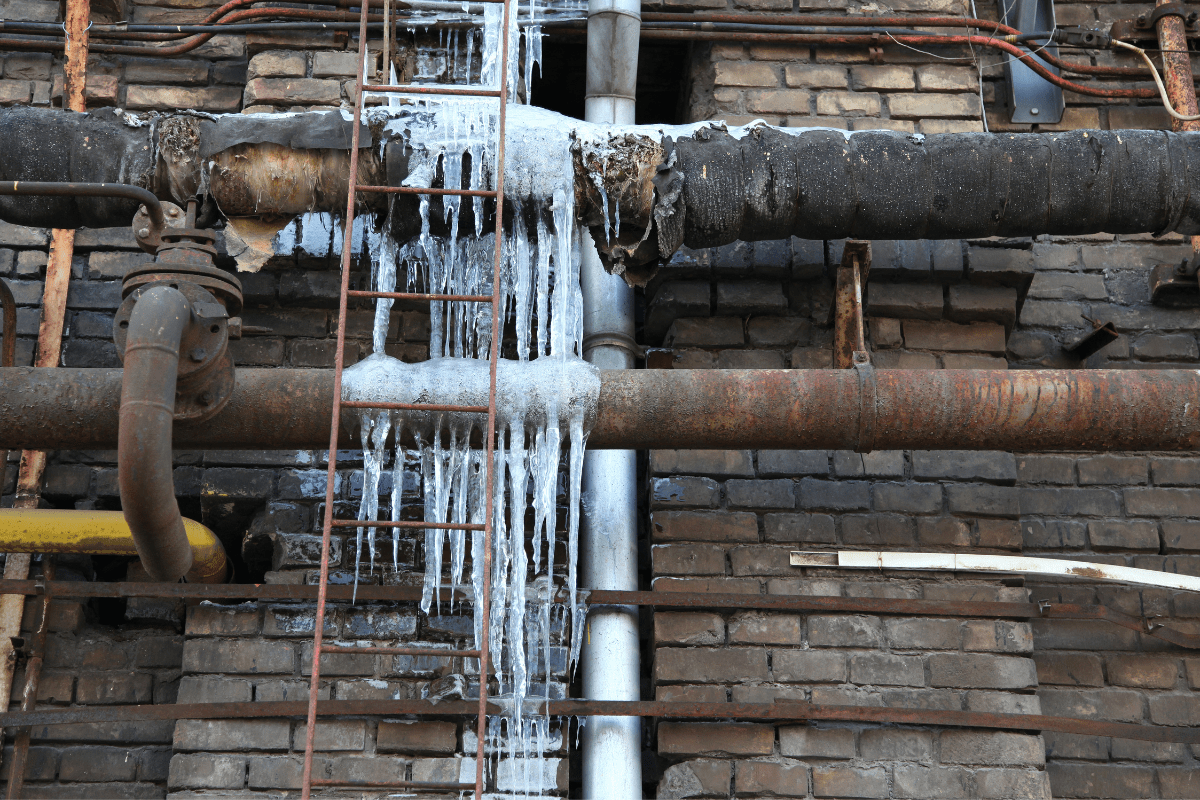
<point>775,712</point>
<point>848,335</point>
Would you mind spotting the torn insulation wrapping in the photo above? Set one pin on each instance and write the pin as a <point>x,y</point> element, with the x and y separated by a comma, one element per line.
<point>643,190</point>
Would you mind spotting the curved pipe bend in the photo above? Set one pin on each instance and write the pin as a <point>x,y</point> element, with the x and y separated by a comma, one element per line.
<point>144,434</point>
<point>102,533</point>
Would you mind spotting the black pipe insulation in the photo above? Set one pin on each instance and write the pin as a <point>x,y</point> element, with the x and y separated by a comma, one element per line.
<point>824,184</point>
<point>714,187</point>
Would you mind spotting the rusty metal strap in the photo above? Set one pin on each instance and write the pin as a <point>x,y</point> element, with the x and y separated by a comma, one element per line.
<point>776,712</point>
<point>867,393</point>
<point>1168,10</point>
<point>600,597</point>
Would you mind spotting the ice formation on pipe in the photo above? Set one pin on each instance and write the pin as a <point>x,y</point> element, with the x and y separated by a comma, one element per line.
<point>546,396</point>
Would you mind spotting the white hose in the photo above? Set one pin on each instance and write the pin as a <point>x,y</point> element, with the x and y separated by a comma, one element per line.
<point>1162,90</point>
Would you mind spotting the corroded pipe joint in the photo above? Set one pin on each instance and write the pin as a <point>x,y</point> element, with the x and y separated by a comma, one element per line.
<point>144,463</point>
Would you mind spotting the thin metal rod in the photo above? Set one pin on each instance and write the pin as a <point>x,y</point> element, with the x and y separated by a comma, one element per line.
<point>383,523</point>
<point>432,787</point>
<point>401,651</point>
<point>468,298</point>
<point>432,89</point>
<point>782,711</point>
<point>310,728</point>
<point>425,190</point>
<point>412,406</point>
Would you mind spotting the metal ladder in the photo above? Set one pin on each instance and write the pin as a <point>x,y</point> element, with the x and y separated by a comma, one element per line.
<point>330,522</point>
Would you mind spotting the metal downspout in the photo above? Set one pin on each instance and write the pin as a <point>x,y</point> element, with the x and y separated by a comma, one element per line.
<point>612,746</point>
<point>144,436</point>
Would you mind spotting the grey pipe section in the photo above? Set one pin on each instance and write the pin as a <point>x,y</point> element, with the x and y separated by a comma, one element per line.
<point>144,462</point>
<point>610,662</point>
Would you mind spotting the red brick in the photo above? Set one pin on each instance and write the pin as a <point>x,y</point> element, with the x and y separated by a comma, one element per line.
<point>705,526</point>
<point>697,738</point>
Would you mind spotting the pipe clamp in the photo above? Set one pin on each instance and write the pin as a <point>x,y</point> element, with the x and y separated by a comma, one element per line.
<point>866,408</point>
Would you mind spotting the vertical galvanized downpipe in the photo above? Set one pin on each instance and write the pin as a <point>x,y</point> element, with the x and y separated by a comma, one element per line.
<point>612,746</point>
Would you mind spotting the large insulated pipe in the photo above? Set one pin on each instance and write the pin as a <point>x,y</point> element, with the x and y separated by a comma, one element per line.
<point>144,462</point>
<point>751,183</point>
<point>610,661</point>
<point>102,533</point>
<point>1025,411</point>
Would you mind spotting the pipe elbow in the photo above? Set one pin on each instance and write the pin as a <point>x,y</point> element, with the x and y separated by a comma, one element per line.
<point>103,533</point>
<point>144,458</point>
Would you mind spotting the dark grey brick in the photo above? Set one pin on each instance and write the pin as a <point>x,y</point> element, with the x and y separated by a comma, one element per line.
<point>800,528</point>
<point>1124,535</point>
<point>808,258</point>
<point>912,498</point>
<point>1109,469</point>
<point>974,303</point>
<point>879,464</point>
<point>92,294</point>
<point>904,300</point>
<point>835,495</point>
<point>309,288</point>
<point>905,260</point>
<point>1070,502</point>
<point>750,297</point>
<point>999,266</point>
<point>778,493</point>
<point>90,353</point>
<point>948,261</point>
<point>988,501</point>
<point>237,483</point>
<point>965,465</point>
<point>883,529</point>
<point>1053,535</point>
<point>793,462</point>
<point>678,492</point>
<point>1046,469</point>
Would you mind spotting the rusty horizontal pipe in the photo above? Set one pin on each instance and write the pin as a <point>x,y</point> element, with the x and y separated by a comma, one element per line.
<point>1018,410</point>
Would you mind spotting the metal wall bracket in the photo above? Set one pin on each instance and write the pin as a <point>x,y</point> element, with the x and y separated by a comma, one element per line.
<point>1175,285</point>
<point>1034,99</point>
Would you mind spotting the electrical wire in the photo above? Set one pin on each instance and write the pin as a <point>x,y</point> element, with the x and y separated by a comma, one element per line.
<point>1162,90</point>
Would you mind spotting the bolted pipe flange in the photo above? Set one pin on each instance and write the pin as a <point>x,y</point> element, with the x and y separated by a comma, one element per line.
<point>147,235</point>
<point>205,379</point>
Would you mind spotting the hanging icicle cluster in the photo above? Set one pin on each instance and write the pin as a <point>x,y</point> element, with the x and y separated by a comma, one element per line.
<point>539,422</point>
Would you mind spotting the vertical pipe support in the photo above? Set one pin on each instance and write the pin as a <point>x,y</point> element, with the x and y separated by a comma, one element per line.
<point>49,346</point>
<point>610,662</point>
<point>848,334</point>
<point>1177,77</point>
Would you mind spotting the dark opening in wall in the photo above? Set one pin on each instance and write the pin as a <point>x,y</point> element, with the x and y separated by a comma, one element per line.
<point>662,69</point>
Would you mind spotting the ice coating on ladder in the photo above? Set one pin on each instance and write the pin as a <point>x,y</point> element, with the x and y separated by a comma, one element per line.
<point>545,402</point>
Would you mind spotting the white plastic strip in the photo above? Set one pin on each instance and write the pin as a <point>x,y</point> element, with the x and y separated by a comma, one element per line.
<point>953,562</point>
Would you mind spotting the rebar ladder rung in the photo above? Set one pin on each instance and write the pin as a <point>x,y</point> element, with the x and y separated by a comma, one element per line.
<point>399,651</point>
<point>433,787</point>
<point>437,298</point>
<point>383,406</point>
<point>361,187</point>
<point>408,523</point>
<point>433,89</point>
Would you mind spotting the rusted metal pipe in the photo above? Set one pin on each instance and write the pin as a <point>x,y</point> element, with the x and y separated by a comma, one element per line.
<point>68,189</point>
<point>144,438</point>
<point>1018,410</point>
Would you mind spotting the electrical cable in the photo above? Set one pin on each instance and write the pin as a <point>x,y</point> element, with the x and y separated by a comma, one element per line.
<point>1162,90</point>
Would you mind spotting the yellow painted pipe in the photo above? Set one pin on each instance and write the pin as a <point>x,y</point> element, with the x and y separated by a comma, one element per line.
<point>101,533</point>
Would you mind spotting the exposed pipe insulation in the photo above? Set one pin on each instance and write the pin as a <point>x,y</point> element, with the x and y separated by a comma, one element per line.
<point>144,463</point>
<point>1025,411</point>
<point>102,533</point>
<point>712,187</point>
